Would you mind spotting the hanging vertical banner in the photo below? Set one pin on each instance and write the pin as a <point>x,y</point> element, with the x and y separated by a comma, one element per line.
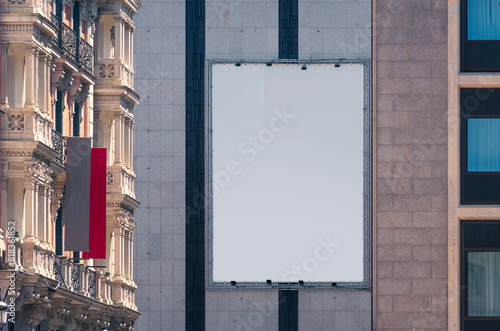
<point>97,211</point>
<point>77,202</point>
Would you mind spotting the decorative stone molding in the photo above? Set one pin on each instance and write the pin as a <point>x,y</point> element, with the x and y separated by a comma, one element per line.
<point>76,320</point>
<point>99,320</point>
<point>65,81</point>
<point>16,122</point>
<point>107,70</point>
<point>16,154</point>
<point>33,305</point>
<point>82,95</point>
<point>57,316</point>
<point>110,178</point>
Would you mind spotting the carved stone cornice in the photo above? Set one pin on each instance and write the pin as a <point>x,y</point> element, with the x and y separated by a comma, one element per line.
<point>65,81</point>
<point>57,314</point>
<point>121,324</point>
<point>99,320</point>
<point>77,319</point>
<point>34,305</point>
<point>82,95</point>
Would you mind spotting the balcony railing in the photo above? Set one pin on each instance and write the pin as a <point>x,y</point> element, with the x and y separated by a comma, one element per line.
<point>58,146</point>
<point>75,277</point>
<point>54,19</point>
<point>68,41</point>
<point>85,55</point>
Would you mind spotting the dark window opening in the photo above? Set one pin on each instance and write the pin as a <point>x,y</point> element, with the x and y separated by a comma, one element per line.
<point>480,271</point>
<point>480,146</point>
<point>480,35</point>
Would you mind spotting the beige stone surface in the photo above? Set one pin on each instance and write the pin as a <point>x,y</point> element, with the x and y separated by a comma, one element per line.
<point>410,93</point>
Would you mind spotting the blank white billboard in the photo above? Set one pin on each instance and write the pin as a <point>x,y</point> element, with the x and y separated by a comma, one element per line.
<point>287,167</point>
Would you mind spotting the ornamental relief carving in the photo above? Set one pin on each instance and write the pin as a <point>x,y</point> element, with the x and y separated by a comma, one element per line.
<point>16,154</point>
<point>110,178</point>
<point>16,122</point>
<point>37,170</point>
<point>107,70</point>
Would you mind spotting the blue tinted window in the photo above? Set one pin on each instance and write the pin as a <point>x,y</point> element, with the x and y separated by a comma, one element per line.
<point>483,144</point>
<point>483,20</point>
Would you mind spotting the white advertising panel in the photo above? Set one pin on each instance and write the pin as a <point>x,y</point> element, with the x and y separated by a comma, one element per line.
<point>287,167</point>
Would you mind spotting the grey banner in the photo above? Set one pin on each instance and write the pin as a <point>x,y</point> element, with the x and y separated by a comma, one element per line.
<point>77,194</point>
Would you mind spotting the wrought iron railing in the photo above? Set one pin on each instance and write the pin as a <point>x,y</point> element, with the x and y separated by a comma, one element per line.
<point>58,270</point>
<point>54,19</point>
<point>85,55</point>
<point>68,41</point>
<point>92,284</point>
<point>58,146</point>
<point>75,277</point>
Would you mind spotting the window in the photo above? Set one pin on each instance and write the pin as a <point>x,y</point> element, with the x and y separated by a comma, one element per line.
<point>67,15</point>
<point>480,35</point>
<point>480,294</point>
<point>290,173</point>
<point>84,33</point>
<point>480,146</point>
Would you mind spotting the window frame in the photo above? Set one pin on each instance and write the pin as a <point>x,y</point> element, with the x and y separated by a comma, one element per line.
<point>367,190</point>
<point>474,52</point>
<point>482,101</point>
<point>474,323</point>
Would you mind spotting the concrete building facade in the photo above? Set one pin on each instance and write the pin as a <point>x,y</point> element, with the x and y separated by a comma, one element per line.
<point>434,216</point>
<point>234,30</point>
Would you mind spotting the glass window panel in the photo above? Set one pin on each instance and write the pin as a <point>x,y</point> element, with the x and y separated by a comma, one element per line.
<point>483,144</point>
<point>483,20</point>
<point>483,284</point>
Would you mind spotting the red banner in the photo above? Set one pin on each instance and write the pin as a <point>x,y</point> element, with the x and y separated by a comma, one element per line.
<point>97,224</point>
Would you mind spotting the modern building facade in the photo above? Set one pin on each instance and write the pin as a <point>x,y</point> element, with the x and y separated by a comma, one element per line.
<point>176,43</point>
<point>432,221</point>
<point>67,71</point>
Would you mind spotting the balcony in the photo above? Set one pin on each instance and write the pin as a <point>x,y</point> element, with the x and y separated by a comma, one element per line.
<point>113,71</point>
<point>76,48</point>
<point>120,180</point>
<point>85,55</point>
<point>68,41</point>
<point>76,277</point>
<point>57,141</point>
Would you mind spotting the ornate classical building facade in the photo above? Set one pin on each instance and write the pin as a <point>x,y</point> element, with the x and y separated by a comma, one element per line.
<point>67,70</point>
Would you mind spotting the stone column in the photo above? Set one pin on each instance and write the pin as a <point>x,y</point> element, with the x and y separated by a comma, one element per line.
<point>131,240</point>
<point>36,76</point>
<point>5,63</point>
<point>41,214</point>
<point>118,37</point>
<point>29,80</point>
<point>42,76</point>
<point>131,148</point>
<point>4,205</point>
<point>131,82</point>
<point>118,137</point>
<point>118,236</point>
<point>122,138</point>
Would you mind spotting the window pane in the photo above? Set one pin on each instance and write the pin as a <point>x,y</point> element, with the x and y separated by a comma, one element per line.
<point>483,284</point>
<point>483,144</point>
<point>483,20</point>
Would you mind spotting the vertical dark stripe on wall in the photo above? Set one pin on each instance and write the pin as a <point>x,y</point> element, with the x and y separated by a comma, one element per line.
<point>195,165</point>
<point>288,310</point>
<point>288,29</point>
